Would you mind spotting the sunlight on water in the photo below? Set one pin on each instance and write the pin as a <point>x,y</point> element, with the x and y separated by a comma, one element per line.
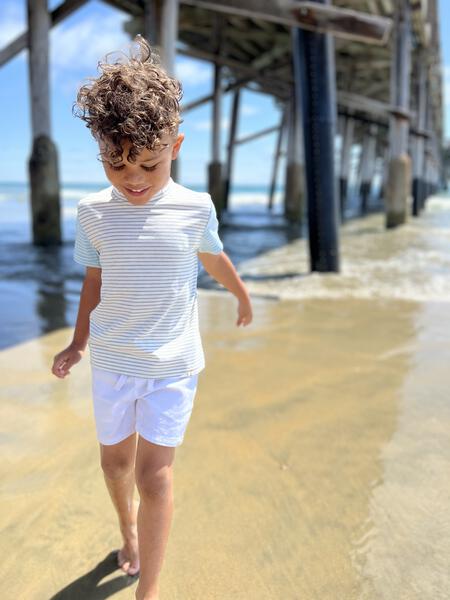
<point>411,262</point>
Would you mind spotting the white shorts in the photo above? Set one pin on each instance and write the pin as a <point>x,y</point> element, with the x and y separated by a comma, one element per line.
<point>158,409</point>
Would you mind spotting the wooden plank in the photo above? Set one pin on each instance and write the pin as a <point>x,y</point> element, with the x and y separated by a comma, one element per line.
<point>136,9</point>
<point>340,22</point>
<point>56,16</point>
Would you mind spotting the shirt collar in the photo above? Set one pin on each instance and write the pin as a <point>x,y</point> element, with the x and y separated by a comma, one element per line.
<point>162,192</point>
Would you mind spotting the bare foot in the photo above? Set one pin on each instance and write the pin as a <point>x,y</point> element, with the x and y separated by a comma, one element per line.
<point>146,596</point>
<point>128,555</point>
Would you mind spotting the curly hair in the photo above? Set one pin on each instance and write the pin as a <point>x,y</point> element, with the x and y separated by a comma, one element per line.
<point>135,101</point>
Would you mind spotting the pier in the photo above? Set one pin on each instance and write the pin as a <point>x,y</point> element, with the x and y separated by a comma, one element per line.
<point>365,72</point>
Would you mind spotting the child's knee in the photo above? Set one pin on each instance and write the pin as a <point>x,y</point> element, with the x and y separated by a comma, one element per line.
<point>118,461</point>
<point>155,484</point>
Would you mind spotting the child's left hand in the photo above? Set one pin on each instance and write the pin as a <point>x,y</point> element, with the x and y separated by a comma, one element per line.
<point>245,314</point>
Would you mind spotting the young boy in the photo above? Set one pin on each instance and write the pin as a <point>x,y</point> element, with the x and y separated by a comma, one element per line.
<point>139,240</point>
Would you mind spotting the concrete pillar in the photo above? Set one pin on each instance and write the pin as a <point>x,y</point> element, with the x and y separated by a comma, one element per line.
<point>346,150</point>
<point>43,162</point>
<point>294,182</point>
<point>169,35</point>
<point>367,166</point>
<point>419,140</point>
<point>231,145</point>
<point>315,81</point>
<point>399,185</point>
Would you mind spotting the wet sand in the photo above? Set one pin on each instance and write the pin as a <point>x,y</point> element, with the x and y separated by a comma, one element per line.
<point>316,464</point>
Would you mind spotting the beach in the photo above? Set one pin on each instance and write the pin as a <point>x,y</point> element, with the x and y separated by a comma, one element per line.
<point>316,464</point>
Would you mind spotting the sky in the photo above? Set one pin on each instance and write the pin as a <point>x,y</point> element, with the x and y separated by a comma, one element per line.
<point>76,45</point>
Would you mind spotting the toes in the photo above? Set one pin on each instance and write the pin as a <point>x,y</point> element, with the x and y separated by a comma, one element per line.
<point>122,561</point>
<point>133,570</point>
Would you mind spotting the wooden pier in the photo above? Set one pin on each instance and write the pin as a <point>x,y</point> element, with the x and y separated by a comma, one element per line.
<point>367,72</point>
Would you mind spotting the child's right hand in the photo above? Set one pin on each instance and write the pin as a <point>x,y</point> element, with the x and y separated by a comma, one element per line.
<point>63,361</point>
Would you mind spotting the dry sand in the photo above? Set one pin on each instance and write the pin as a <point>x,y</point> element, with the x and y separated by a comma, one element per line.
<point>316,464</point>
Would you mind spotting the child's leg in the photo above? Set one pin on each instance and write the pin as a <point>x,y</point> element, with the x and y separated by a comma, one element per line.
<point>154,480</point>
<point>117,461</point>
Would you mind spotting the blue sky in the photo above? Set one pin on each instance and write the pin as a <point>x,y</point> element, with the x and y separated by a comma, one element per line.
<point>76,45</point>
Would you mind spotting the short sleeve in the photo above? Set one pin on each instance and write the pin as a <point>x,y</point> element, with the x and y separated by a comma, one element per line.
<point>84,252</point>
<point>210,241</point>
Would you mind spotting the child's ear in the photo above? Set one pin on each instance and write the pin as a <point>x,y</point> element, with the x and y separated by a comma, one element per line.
<point>176,147</point>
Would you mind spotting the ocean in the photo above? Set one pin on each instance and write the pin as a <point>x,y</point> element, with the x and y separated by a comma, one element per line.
<point>40,286</point>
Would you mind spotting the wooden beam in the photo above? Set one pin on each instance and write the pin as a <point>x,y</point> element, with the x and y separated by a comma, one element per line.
<point>204,99</point>
<point>132,7</point>
<point>56,16</point>
<point>235,65</point>
<point>343,23</point>
<point>362,103</point>
<point>258,134</point>
<point>340,22</point>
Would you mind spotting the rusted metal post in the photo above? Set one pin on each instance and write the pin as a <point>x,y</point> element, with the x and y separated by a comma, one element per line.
<point>399,173</point>
<point>43,162</point>
<point>231,145</point>
<point>315,81</point>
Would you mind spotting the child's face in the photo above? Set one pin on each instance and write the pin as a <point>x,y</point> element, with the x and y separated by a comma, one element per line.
<point>141,180</point>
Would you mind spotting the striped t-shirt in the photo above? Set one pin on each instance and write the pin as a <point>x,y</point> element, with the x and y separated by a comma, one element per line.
<point>146,324</point>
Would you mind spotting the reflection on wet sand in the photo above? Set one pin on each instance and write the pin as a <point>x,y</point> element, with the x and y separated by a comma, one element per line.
<point>315,466</point>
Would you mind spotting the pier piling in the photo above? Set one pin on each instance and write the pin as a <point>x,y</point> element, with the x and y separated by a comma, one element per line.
<point>43,162</point>
<point>399,184</point>
<point>315,82</point>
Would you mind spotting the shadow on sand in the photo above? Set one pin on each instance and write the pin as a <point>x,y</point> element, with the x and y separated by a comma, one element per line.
<point>87,586</point>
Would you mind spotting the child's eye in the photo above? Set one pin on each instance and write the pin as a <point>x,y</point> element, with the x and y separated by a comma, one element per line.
<point>149,168</point>
<point>116,168</point>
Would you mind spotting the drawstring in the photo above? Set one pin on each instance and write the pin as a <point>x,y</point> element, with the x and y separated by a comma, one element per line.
<point>119,383</point>
<point>150,383</point>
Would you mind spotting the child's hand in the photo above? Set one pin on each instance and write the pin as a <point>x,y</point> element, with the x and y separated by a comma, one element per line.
<point>63,361</point>
<point>245,314</point>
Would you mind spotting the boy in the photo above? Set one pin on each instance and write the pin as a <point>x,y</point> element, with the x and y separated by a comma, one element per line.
<point>139,240</point>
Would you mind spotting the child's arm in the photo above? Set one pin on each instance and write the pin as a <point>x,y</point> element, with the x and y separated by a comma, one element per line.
<point>220,267</point>
<point>89,298</point>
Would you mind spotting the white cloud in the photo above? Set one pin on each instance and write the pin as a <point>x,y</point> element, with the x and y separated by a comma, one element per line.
<point>206,124</point>
<point>192,73</point>
<point>249,110</point>
<point>81,45</point>
<point>12,22</point>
